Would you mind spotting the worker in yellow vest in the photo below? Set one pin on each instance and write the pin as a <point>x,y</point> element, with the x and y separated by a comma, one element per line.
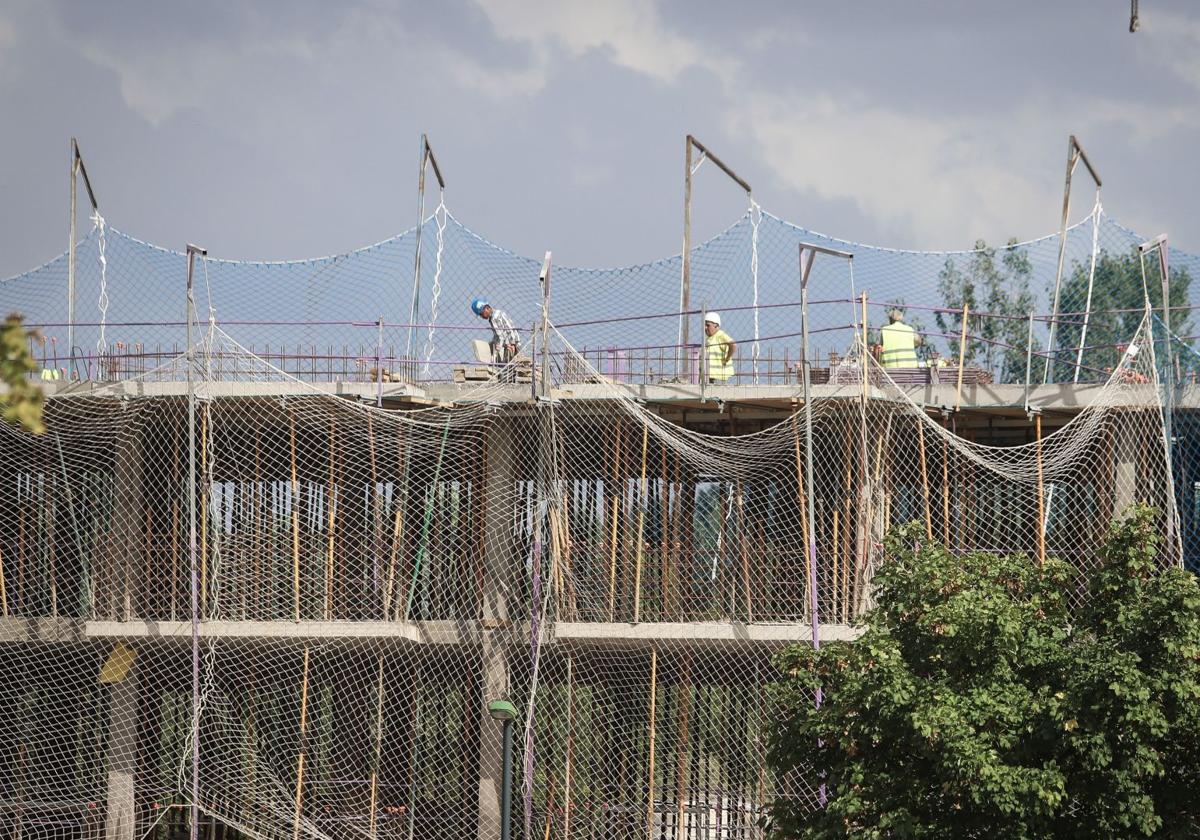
<point>718,348</point>
<point>900,342</point>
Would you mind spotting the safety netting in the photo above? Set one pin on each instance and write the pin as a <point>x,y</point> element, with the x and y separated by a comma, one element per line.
<point>340,318</point>
<point>247,578</point>
<point>365,579</point>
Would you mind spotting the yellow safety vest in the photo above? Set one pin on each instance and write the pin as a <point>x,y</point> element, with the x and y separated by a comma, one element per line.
<point>899,346</point>
<point>716,346</point>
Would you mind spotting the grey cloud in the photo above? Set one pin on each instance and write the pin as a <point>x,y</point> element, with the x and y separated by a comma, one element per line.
<point>278,130</point>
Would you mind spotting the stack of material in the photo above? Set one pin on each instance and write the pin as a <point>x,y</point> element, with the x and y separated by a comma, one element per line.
<point>850,373</point>
<point>520,369</point>
<point>473,373</point>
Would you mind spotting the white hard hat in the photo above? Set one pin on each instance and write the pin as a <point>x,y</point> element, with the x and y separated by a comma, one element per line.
<point>713,318</point>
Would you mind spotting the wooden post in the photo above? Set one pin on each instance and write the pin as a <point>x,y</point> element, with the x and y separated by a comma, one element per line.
<point>924,476</point>
<point>399,502</point>
<point>3,589</point>
<point>256,599</point>
<point>650,775</point>
<point>175,514</point>
<point>295,520</point>
<point>615,503</point>
<point>644,498</point>
<point>570,747</point>
<point>251,731</point>
<point>681,765</point>
<point>376,521</point>
<point>836,544</point>
<point>303,746</point>
<point>571,602</point>
<point>664,505</point>
<point>331,505</point>
<point>946,488</point>
<point>371,830</point>
<point>847,528</point>
<point>204,511</point>
<point>801,502</point>
<point>676,537</point>
<point>1041,494</point>
<point>962,358</point>
<point>741,504</point>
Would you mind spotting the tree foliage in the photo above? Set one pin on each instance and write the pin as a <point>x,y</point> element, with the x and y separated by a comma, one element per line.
<point>996,283</point>
<point>978,703</point>
<point>1117,306</point>
<point>21,402</point>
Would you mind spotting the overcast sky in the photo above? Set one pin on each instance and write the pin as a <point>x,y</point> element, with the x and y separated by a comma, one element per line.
<point>287,130</point>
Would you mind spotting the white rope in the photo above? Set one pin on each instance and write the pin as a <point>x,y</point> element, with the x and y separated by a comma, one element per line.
<point>102,303</point>
<point>755,220</point>
<point>439,216</point>
<point>212,323</point>
<point>696,166</point>
<point>1087,309</point>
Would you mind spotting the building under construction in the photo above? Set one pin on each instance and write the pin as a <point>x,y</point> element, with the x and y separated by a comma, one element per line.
<point>278,550</point>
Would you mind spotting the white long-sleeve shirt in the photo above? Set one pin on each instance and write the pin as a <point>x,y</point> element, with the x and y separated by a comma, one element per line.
<point>503,331</point>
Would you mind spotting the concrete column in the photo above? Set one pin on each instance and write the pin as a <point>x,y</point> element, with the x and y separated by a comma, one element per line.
<point>119,820</point>
<point>501,562</point>
<point>125,557</point>
<point>1127,444</point>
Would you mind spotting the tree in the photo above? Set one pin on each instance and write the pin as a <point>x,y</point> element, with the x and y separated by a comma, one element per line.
<point>977,703</point>
<point>1118,304</point>
<point>999,287</point>
<point>22,401</point>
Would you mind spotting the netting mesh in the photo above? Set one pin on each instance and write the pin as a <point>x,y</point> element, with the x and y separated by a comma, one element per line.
<point>583,532</point>
<point>320,319</point>
<point>367,578</point>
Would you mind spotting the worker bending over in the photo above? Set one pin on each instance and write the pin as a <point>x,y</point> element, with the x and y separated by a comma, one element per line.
<point>718,348</point>
<point>900,342</point>
<point>505,338</point>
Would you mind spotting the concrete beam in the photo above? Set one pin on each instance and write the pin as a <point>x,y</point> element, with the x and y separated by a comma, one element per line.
<point>696,634</point>
<point>304,632</point>
<point>1056,397</point>
<point>415,633</point>
<point>25,631</point>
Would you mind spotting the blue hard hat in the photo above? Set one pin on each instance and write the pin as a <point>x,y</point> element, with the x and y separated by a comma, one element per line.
<point>477,305</point>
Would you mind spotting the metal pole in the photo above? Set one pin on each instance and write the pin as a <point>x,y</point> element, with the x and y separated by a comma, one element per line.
<point>686,278</point>
<point>1166,293</point>
<point>1075,153</point>
<point>192,250</point>
<point>427,157</point>
<point>71,253</point>
<point>379,365</point>
<point>1087,306</point>
<point>1072,160</point>
<point>506,785</point>
<point>544,279</point>
<point>805,268</point>
<point>416,294</point>
<point>702,362</point>
<point>1168,383</point>
<point>1028,360</point>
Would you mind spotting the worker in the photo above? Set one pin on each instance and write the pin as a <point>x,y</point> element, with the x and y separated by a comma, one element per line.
<point>900,342</point>
<point>505,338</point>
<point>718,348</point>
